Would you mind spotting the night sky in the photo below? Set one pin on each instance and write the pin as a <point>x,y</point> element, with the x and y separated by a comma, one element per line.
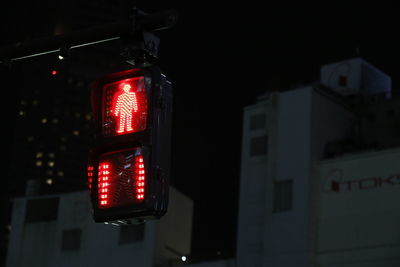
<point>219,59</point>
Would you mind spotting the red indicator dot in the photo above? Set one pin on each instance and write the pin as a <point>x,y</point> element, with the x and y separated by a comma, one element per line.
<point>53,72</point>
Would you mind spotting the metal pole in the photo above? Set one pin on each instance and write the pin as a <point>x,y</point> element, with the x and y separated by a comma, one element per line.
<point>94,35</point>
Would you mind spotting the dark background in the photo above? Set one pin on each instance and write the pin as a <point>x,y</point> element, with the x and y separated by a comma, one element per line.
<point>220,57</point>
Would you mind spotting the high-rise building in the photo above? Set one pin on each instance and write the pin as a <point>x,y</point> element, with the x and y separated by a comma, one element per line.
<point>320,175</point>
<point>50,135</point>
<point>52,130</point>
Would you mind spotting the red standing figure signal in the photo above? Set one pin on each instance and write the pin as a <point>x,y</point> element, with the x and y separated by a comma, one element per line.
<point>125,106</point>
<point>129,163</point>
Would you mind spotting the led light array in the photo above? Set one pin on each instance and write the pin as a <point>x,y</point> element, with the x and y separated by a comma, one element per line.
<point>104,176</point>
<point>124,107</point>
<point>90,176</point>
<point>140,177</point>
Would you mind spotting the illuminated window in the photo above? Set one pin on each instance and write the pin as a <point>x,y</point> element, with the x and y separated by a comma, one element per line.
<point>49,181</point>
<point>60,173</point>
<point>21,113</point>
<point>50,163</point>
<point>51,155</point>
<point>39,163</point>
<point>44,120</point>
<point>76,132</point>
<point>55,120</point>
<point>39,155</point>
<point>125,107</point>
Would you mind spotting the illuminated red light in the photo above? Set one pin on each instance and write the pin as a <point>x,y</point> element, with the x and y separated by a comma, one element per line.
<point>121,179</point>
<point>104,172</point>
<point>90,176</point>
<point>124,107</point>
<point>139,166</point>
<point>53,72</point>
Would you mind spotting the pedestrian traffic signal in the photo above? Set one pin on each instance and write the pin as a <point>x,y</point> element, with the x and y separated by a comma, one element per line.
<point>125,107</point>
<point>129,164</point>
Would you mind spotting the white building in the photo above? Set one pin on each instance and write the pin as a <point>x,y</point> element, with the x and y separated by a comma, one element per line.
<point>58,230</point>
<point>320,180</point>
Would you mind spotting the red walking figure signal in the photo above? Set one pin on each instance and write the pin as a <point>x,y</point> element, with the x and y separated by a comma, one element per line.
<point>125,106</point>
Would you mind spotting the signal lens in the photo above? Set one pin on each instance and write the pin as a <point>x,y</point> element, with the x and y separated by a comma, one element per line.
<point>124,107</point>
<point>121,178</point>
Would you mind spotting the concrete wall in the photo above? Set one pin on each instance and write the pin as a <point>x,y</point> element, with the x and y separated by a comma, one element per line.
<point>220,263</point>
<point>285,237</point>
<point>253,187</point>
<point>351,69</point>
<point>41,243</point>
<point>173,230</point>
<point>298,124</point>
<point>361,77</point>
<point>359,217</point>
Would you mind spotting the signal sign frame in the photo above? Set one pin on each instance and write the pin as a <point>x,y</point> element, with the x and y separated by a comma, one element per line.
<point>154,142</point>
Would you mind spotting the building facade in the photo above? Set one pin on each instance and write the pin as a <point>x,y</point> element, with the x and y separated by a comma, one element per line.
<point>58,230</point>
<point>319,178</point>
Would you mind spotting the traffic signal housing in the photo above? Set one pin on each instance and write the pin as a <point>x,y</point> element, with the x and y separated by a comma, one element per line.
<point>129,164</point>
